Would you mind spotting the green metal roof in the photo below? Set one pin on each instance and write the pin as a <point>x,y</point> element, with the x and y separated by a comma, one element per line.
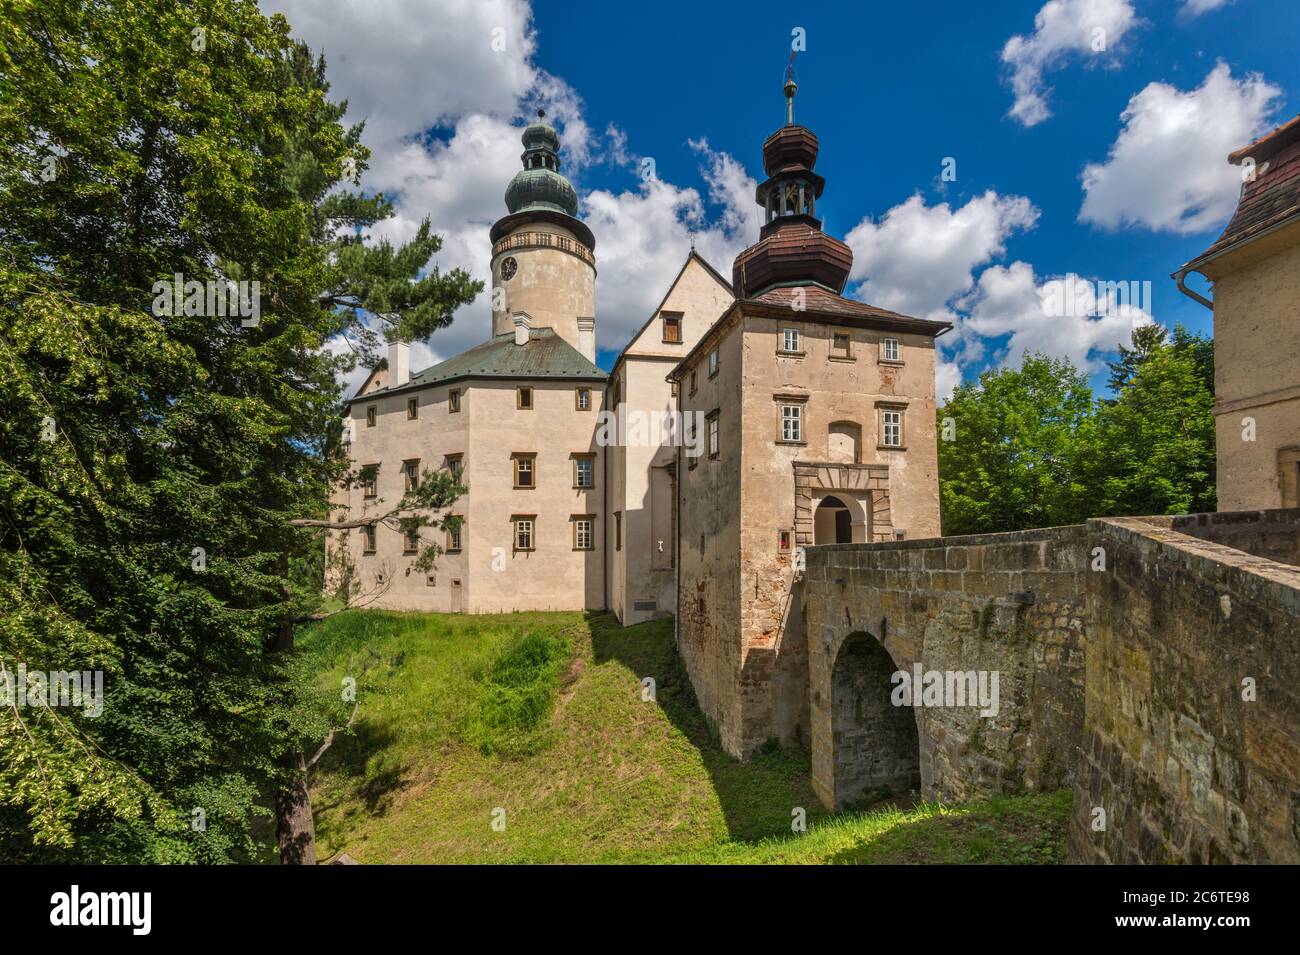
<point>546,355</point>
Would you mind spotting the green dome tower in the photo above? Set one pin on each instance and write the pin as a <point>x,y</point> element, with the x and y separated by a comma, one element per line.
<point>543,255</point>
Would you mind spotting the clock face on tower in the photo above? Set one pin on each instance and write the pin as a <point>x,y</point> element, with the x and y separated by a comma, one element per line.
<point>508,268</point>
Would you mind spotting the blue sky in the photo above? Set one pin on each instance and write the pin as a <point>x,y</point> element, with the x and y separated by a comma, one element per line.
<point>890,89</point>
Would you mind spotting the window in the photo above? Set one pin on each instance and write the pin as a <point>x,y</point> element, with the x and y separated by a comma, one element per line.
<point>431,580</point>
<point>713,363</point>
<point>524,538</point>
<point>412,408</point>
<point>692,456</point>
<point>713,434</point>
<point>891,429</point>
<point>456,465</point>
<point>453,539</point>
<point>368,535</point>
<point>582,399</point>
<point>410,540</point>
<point>524,398</point>
<point>783,542</point>
<point>672,328</point>
<point>370,416</point>
<point>453,401</point>
<point>841,345</point>
<point>618,530</point>
<point>584,532</point>
<point>411,473</point>
<point>524,476</point>
<point>790,340</point>
<point>694,381</point>
<point>370,480</point>
<point>792,423</point>
<point>890,350</point>
<point>584,470</point>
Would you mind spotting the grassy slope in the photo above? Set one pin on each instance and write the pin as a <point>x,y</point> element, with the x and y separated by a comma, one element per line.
<point>605,777</point>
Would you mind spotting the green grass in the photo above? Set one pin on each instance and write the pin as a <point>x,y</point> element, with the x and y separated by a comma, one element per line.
<point>542,715</point>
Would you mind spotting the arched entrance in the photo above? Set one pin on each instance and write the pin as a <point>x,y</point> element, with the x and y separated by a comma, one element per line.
<point>832,522</point>
<point>876,744</point>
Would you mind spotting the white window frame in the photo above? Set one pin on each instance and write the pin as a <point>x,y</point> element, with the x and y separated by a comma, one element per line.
<point>792,422</point>
<point>791,340</point>
<point>891,349</point>
<point>584,533</point>
<point>891,426</point>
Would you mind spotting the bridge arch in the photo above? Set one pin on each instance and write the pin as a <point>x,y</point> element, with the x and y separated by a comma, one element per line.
<point>876,745</point>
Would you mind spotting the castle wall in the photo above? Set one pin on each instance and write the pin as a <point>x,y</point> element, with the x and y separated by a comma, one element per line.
<point>709,601</point>
<point>488,575</point>
<point>1191,746</point>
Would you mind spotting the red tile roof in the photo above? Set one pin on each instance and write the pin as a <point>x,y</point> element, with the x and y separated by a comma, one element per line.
<point>817,301</point>
<point>1272,196</point>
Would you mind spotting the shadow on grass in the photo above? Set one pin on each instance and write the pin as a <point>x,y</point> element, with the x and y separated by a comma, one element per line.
<point>757,797</point>
<point>1001,831</point>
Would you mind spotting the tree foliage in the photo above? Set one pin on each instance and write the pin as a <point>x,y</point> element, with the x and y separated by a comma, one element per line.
<point>152,466</point>
<point>1033,448</point>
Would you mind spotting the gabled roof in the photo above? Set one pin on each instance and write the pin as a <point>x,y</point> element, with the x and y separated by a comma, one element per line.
<point>546,355</point>
<point>692,256</point>
<point>1270,198</point>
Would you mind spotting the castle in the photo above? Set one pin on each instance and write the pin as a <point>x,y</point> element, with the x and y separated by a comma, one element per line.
<point>783,392</point>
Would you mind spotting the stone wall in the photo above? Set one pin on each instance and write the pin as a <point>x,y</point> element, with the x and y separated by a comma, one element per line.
<point>1007,603</point>
<point>1271,534</point>
<point>1191,750</point>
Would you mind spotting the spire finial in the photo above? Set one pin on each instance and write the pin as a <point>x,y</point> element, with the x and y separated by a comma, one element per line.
<point>541,114</point>
<point>791,86</point>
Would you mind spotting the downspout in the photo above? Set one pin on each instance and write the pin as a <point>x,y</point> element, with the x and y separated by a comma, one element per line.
<point>1180,276</point>
<point>677,530</point>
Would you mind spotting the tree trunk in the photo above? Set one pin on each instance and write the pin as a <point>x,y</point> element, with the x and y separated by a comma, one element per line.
<point>295,827</point>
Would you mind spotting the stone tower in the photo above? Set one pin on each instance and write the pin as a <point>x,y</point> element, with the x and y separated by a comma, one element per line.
<point>543,256</point>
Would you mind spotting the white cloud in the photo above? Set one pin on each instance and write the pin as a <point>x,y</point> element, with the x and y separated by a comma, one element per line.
<point>1194,8</point>
<point>408,65</point>
<point>918,257</point>
<point>1010,300</point>
<point>1062,28</point>
<point>1168,170</point>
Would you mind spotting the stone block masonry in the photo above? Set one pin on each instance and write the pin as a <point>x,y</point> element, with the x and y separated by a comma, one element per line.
<point>1191,746</point>
<point>1006,603</point>
<point>1142,661</point>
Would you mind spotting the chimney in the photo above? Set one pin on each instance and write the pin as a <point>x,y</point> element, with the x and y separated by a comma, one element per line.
<point>523,322</point>
<point>587,338</point>
<point>399,364</point>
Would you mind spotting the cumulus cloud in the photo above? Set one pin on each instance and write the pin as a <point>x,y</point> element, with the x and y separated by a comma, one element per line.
<point>918,257</point>
<point>444,87</point>
<point>1062,29</point>
<point>1168,170</point>
<point>1067,317</point>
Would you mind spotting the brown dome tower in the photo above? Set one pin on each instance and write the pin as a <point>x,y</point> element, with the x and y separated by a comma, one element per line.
<point>791,249</point>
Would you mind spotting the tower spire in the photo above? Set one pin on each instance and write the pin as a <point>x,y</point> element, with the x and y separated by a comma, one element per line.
<point>790,88</point>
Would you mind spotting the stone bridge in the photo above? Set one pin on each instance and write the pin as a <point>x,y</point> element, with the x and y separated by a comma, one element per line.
<point>1151,664</point>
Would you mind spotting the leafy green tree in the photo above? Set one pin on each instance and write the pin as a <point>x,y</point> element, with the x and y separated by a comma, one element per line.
<point>1154,442</point>
<point>158,457</point>
<point>1010,465</point>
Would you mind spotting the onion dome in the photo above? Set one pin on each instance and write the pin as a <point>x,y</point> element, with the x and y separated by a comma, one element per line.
<point>792,249</point>
<point>539,185</point>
